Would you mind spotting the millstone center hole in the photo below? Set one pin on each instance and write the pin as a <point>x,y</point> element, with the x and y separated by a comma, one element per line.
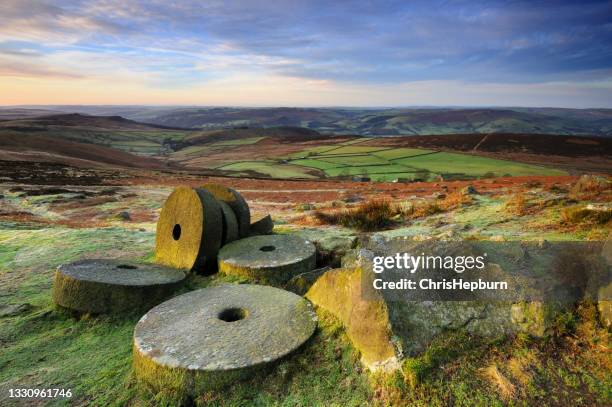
<point>126,267</point>
<point>267,248</point>
<point>233,314</point>
<point>176,232</point>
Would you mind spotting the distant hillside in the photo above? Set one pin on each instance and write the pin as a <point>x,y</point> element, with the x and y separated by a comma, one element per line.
<point>45,148</point>
<point>109,131</point>
<point>44,122</point>
<point>367,122</point>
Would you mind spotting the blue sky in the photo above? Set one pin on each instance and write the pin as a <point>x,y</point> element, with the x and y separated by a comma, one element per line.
<point>307,53</point>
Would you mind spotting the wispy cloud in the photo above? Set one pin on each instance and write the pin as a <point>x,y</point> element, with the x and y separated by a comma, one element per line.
<point>374,46</point>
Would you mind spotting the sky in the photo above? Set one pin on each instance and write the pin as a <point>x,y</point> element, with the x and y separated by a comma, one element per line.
<point>307,53</point>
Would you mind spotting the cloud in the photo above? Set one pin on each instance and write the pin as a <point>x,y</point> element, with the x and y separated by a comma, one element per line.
<point>361,44</point>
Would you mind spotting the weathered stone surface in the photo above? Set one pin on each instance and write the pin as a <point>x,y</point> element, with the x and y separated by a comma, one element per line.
<point>367,322</point>
<point>208,338</point>
<point>230,224</point>
<point>271,259</point>
<point>235,201</point>
<point>263,226</point>
<point>302,282</point>
<point>112,286</point>
<point>386,328</point>
<point>332,243</point>
<point>189,230</point>
<point>604,305</point>
<point>11,310</point>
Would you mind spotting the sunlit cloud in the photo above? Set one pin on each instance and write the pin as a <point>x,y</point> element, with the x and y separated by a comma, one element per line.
<point>306,52</point>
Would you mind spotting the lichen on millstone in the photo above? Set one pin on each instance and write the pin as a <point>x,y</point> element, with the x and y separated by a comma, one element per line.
<point>112,286</point>
<point>206,339</point>
<point>235,201</point>
<point>189,230</point>
<point>231,231</point>
<point>271,259</point>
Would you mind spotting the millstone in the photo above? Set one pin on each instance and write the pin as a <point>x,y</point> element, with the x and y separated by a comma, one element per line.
<point>109,286</point>
<point>235,201</point>
<point>189,230</point>
<point>271,259</point>
<point>263,226</point>
<point>230,224</point>
<point>208,338</point>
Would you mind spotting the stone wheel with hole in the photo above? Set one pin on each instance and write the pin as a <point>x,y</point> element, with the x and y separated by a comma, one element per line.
<point>230,224</point>
<point>235,201</point>
<point>112,286</point>
<point>272,259</point>
<point>206,339</point>
<point>189,230</point>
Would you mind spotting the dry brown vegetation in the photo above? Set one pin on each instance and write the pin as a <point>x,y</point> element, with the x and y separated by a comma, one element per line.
<point>368,216</point>
<point>517,204</point>
<point>577,215</point>
<point>589,187</point>
<point>378,214</point>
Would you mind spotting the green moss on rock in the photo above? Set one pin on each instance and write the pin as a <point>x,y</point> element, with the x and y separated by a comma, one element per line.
<point>273,259</point>
<point>209,338</point>
<point>110,286</point>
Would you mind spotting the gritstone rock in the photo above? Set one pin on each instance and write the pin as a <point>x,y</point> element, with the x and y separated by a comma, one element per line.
<point>271,259</point>
<point>189,230</point>
<point>385,328</point>
<point>209,338</point>
<point>112,286</point>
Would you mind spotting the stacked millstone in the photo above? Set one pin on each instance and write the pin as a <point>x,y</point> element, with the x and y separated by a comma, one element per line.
<point>196,222</point>
<point>110,286</point>
<point>208,338</point>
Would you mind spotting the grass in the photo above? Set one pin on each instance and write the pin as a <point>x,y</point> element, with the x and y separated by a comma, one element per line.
<point>270,168</point>
<point>92,355</point>
<point>474,165</point>
<point>394,154</point>
<point>46,347</point>
<point>387,164</point>
<point>318,164</point>
<point>353,160</point>
<point>579,215</point>
<point>239,142</point>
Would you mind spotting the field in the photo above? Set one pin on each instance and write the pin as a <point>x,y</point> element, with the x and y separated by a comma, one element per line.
<point>66,194</point>
<point>42,226</point>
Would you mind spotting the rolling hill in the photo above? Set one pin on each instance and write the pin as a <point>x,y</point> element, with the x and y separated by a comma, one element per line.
<point>297,152</point>
<point>369,122</point>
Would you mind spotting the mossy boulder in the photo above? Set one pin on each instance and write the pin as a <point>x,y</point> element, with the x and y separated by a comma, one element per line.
<point>388,325</point>
<point>271,259</point>
<point>367,322</point>
<point>209,338</point>
<point>112,286</point>
<point>332,243</point>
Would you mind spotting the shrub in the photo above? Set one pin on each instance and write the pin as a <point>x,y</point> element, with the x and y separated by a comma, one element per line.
<point>589,186</point>
<point>586,214</point>
<point>517,204</point>
<point>368,216</point>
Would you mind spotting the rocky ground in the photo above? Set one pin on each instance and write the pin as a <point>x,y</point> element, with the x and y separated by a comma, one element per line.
<point>47,221</point>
